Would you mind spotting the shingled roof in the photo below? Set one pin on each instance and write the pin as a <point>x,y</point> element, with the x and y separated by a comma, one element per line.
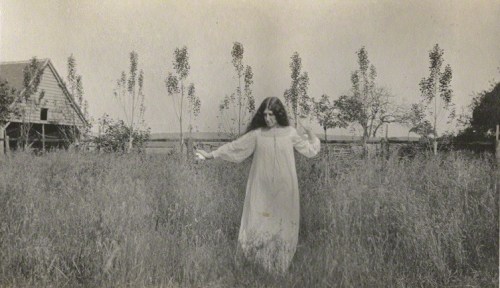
<point>12,72</point>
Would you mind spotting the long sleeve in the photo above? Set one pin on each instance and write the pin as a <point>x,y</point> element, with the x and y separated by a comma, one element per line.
<point>239,149</point>
<point>304,146</point>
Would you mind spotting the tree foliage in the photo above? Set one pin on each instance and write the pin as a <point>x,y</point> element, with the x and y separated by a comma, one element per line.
<point>194,106</point>
<point>417,123</point>
<point>327,114</point>
<point>235,109</point>
<point>484,116</point>
<point>486,111</point>
<point>8,96</point>
<point>31,80</point>
<point>296,98</point>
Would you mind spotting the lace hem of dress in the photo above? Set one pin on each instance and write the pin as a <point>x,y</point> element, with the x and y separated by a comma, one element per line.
<point>271,252</point>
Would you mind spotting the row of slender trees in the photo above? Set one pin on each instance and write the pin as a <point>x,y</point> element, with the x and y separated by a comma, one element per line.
<point>367,106</point>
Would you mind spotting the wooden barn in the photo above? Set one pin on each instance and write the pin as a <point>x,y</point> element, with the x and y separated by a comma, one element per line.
<point>49,118</point>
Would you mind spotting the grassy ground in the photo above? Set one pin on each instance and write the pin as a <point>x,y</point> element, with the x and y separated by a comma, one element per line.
<point>86,220</point>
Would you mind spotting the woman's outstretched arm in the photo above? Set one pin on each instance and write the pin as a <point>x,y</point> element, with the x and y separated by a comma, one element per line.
<point>235,151</point>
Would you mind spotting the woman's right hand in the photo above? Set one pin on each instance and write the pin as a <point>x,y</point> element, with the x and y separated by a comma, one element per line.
<point>205,154</point>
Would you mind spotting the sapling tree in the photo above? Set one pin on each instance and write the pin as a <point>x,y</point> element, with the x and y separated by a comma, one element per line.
<point>236,108</point>
<point>129,93</point>
<point>176,88</point>
<point>30,98</point>
<point>75,88</point>
<point>296,98</point>
<point>436,91</point>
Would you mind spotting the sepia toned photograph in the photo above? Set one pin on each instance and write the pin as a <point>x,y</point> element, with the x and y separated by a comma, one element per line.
<point>249,143</point>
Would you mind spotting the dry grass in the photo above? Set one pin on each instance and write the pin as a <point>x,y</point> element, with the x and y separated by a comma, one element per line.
<point>86,220</point>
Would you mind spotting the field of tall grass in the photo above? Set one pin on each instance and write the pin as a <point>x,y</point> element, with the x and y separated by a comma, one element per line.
<point>88,220</point>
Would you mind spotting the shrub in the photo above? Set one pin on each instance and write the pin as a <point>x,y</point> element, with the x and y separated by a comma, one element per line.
<point>115,136</point>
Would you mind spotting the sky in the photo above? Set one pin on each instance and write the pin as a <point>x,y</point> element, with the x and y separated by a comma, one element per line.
<point>396,34</point>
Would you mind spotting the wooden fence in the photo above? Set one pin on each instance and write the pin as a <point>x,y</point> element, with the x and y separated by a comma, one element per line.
<point>337,148</point>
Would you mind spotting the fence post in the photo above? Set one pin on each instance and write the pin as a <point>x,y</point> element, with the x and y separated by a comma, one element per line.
<point>497,155</point>
<point>2,142</point>
<point>497,146</point>
<point>387,148</point>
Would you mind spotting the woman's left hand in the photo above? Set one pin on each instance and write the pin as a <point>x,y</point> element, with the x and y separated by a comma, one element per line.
<point>305,125</point>
<point>307,128</point>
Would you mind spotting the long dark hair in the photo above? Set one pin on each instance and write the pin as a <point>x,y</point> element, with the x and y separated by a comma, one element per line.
<point>274,104</point>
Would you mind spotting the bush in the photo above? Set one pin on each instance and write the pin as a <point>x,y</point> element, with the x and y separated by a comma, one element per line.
<point>115,136</point>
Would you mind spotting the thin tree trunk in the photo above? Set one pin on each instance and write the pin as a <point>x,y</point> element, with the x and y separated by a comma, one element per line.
<point>180,118</point>
<point>239,104</point>
<point>435,144</point>
<point>365,142</point>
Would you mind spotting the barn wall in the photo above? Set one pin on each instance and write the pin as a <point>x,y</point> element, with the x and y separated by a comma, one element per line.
<point>59,109</point>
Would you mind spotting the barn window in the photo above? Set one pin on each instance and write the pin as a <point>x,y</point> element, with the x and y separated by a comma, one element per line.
<point>43,113</point>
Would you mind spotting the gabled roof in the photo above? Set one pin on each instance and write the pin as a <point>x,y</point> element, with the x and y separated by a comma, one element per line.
<point>13,73</point>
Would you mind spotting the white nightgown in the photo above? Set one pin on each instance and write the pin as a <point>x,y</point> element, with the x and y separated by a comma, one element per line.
<point>270,222</point>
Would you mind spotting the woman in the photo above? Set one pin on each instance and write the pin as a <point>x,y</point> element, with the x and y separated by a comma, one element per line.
<point>270,222</point>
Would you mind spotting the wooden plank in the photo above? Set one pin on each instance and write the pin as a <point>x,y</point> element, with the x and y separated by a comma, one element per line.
<point>47,140</point>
